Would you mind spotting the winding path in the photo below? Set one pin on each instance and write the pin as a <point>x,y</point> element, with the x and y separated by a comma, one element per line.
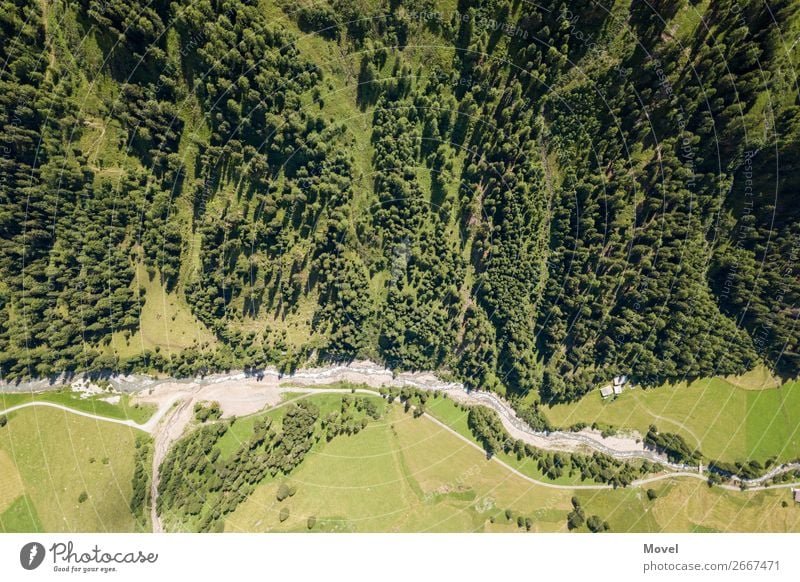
<point>76,411</point>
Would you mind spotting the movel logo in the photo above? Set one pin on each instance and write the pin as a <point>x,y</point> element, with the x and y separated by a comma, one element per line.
<point>31,555</point>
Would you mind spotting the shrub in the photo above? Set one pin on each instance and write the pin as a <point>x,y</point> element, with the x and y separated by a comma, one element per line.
<point>283,492</point>
<point>594,523</point>
<point>312,521</point>
<point>284,514</point>
<point>83,497</point>
<point>574,520</point>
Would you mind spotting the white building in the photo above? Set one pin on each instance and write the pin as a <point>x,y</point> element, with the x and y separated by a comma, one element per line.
<point>606,391</point>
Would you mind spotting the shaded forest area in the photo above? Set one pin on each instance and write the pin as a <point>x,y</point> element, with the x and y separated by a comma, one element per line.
<point>552,195</point>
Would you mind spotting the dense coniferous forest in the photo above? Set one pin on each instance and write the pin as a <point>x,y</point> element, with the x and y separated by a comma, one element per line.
<point>536,197</point>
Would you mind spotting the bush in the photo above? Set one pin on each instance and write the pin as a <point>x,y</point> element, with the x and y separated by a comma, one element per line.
<point>596,525</point>
<point>83,497</point>
<point>283,492</point>
<point>284,514</point>
<point>312,521</point>
<point>200,413</point>
<point>651,494</point>
<point>575,519</point>
<point>320,20</point>
<point>210,412</point>
<point>3,420</point>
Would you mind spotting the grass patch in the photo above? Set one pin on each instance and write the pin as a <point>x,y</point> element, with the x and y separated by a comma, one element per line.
<point>11,486</point>
<point>402,474</point>
<point>726,422</point>
<point>123,410</point>
<point>759,378</point>
<point>448,412</point>
<point>365,482</point>
<point>59,456</point>
<point>166,322</point>
<point>20,517</point>
<point>243,427</point>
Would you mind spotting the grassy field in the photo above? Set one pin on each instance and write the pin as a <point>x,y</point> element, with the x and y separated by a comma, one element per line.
<point>166,322</point>
<point>243,427</point>
<point>11,486</point>
<point>402,474</point>
<point>122,410</point>
<point>727,422</point>
<point>448,412</point>
<point>398,474</point>
<point>49,457</point>
<point>20,517</point>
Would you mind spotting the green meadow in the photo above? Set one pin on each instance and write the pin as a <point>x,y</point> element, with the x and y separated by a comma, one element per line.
<point>726,421</point>
<point>166,321</point>
<point>49,458</point>
<point>123,409</point>
<point>450,413</point>
<point>402,474</point>
<point>242,428</point>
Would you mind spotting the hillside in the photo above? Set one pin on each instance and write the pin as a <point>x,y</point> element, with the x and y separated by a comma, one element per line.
<point>536,197</point>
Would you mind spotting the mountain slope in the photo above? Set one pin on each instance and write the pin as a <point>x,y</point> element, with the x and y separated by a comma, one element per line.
<point>535,196</point>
